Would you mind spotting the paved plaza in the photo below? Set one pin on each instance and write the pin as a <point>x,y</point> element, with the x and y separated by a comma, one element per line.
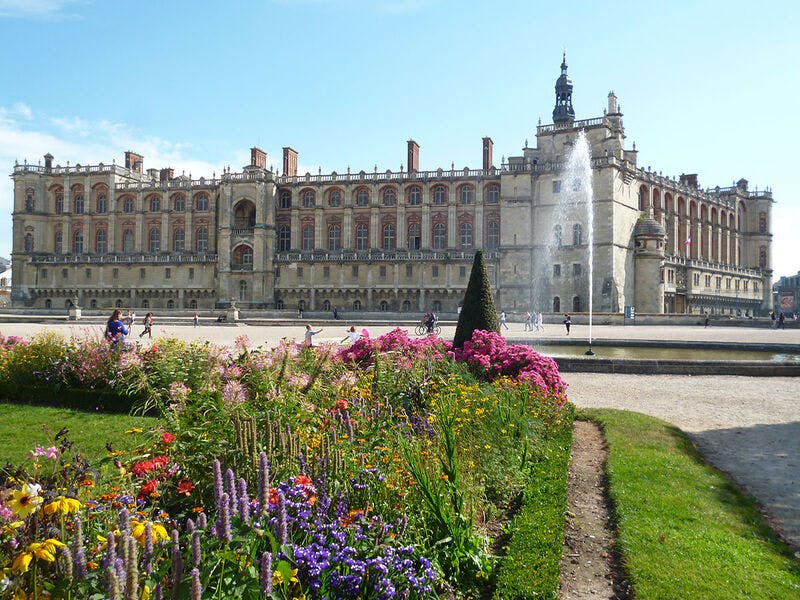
<point>748,427</point>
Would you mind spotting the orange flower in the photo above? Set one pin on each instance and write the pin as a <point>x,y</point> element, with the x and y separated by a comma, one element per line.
<point>302,480</point>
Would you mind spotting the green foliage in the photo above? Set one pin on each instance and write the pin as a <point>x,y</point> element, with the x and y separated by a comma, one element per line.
<point>478,310</point>
<point>531,567</point>
<point>683,529</point>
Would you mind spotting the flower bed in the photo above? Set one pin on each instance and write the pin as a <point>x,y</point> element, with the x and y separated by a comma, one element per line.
<point>377,471</point>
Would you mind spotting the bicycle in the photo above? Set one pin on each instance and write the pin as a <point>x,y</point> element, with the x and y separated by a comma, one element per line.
<point>423,329</point>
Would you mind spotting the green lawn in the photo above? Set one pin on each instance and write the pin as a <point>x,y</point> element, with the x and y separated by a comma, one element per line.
<point>683,530</point>
<point>22,427</point>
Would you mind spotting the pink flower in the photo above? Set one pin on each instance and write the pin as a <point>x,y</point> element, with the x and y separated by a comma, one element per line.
<point>50,453</point>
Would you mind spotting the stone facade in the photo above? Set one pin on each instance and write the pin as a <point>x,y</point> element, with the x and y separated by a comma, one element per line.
<point>392,241</point>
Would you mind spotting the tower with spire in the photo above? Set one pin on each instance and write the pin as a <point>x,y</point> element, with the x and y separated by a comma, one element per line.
<point>563,112</point>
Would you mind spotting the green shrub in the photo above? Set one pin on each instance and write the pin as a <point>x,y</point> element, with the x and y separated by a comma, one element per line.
<point>478,310</point>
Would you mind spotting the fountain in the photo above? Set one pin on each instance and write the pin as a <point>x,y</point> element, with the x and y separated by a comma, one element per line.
<point>577,190</point>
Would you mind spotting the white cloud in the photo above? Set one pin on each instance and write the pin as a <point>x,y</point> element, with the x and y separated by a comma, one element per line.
<point>39,9</point>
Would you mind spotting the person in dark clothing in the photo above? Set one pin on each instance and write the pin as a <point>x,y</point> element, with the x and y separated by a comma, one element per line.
<point>115,330</point>
<point>567,322</point>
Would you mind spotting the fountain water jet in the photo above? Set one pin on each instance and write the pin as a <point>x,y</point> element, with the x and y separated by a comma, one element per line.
<point>578,184</point>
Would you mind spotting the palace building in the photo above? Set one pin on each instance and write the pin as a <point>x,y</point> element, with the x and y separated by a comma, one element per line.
<point>112,235</point>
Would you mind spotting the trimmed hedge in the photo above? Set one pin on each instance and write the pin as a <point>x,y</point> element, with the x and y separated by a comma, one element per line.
<point>79,399</point>
<point>531,567</point>
<point>478,310</point>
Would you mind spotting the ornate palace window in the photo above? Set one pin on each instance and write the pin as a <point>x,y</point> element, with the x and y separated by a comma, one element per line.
<point>308,237</point>
<point>439,236</point>
<point>202,240</point>
<point>415,196</point>
<point>334,237</point>
<point>439,195</point>
<point>284,238</point>
<point>155,240</point>
<point>101,242</point>
<point>388,237</point>
<point>362,236</point>
<point>465,235</point>
<point>178,240</point>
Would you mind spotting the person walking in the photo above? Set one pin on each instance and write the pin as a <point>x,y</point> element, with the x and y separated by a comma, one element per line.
<point>527,326</point>
<point>781,321</point>
<point>352,335</point>
<point>308,341</point>
<point>336,313</point>
<point>539,321</point>
<point>706,320</point>
<point>148,326</point>
<point>115,330</point>
<point>503,319</point>
<point>567,322</point>
<point>196,319</point>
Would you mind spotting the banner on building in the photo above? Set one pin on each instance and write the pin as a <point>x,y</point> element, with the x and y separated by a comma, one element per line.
<point>786,301</point>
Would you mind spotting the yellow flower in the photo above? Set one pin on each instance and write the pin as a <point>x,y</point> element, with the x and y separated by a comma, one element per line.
<point>62,505</point>
<point>25,501</point>
<point>22,562</point>
<point>159,532</point>
<point>277,577</point>
<point>134,430</point>
<point>47,549</point>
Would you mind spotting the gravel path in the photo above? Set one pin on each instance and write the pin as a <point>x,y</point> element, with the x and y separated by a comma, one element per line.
<point>748,427</point>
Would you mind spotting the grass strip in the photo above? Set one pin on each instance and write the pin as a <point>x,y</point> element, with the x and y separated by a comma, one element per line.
<point>22,427</point>
<point>530,568</point>
<point>684,531</point>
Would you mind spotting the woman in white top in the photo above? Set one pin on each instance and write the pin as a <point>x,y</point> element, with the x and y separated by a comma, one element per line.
<point>352,335</point>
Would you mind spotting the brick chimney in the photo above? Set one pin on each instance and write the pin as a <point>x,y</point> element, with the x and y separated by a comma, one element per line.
<point>413,156</point>
<point>488,146</point>
<point>258,158</point>
<point>689,180</point>
<point>134,161</point>
<point>289,162</point>
<point>165,175</point>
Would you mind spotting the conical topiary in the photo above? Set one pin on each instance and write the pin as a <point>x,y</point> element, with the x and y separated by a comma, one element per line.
<point>478,310</point>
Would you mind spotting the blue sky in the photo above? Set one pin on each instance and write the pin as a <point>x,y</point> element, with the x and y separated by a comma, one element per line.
<point>706,87</point>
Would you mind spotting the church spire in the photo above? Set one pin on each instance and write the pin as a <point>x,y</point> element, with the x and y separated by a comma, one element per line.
<point>563,111</point>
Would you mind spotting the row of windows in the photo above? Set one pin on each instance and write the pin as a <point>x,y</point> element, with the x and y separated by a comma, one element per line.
<point>383,305</point>
<point>114,273</point>
<point>577,305</point>
<point>388,237</point>
<point>145,303</point>
<point>577,270</point>
<point>382,272</point>
<point>466,195</point>
<point>128,204</point>
<point>577,235</point>
<point>739,285</point>
<point>101,241</point>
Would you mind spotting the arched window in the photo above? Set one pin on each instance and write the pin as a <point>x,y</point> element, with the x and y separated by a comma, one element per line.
<point>145,303</point>
<point>29,201</point>
<point>79,204</point>
<point>192,303</point>
<point>414,195</point>
<point>155,204</point>
<point>279,304</point>
<point>284,238</point>
<point>308,199</point>
<point>93,303</point>
<point>576,304</point>
<point>439,195</point>
<point>326,306</point>
<point>48,303</point>
<point>362,197</point>
<point>362,236</point>
<point>178,240</point>
<point>467,194</point>
<point>465,235</point>
<point>28,242</point>
<point>180,203</point>
<point>59,203</point>
<point>285,199</point>
<point>58,246</point>
<point>202,240</point>
<point>301,305</point>
<point>334,237</point>
<point>439,236</point>
<point>356,305</point>
<point>556,304</point>
<point>383,306</point>
<point>492,234</point>
<point>154,244</point>
<point>308,237</point>
<point>201,202</point>
<point>493,194</point>
<point>118,303</point>
<point>437,306</point>
<point>762,222</point>
<point>644,203</point>
<point>389,237</point>
<point>127,205</point>
<point>557,236</point>
<point>389,197</point>
<point>762,256</point>
<point>406,306</point>
<point>242,258</point>
<point>101,241</point>
<point>414,237</point>
<point>170,304</point>
<point>102,204</point>
<point>243,290</point>
<point>577,235</point>
<point>127,241</point>
<point>334,199</point>
<point>77,246</point>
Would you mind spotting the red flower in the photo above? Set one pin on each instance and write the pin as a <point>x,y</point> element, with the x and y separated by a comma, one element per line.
<point>341,404</point>
<point>151,487</point>
<point>302,480</point>
<point>273,496</point>
<point>167,437</point>
<point>142,468</point>
<point>185,487</point>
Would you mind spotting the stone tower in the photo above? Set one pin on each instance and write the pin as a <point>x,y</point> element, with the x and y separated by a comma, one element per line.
<point>563,112</point>
<point>648,257</point>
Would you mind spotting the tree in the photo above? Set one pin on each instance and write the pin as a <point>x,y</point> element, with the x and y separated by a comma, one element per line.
<point>478,310</point>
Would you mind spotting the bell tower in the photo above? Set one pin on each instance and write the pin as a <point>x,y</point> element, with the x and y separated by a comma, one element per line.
<point>563,112</point>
